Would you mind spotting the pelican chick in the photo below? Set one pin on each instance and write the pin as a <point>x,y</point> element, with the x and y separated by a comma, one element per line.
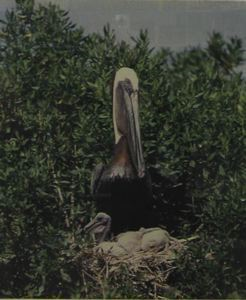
<point>126,243</point>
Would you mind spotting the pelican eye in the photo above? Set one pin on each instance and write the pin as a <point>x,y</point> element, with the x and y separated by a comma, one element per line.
<point>100,219</point>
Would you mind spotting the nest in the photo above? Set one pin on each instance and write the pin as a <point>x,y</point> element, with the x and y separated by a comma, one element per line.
<point>145,272</point>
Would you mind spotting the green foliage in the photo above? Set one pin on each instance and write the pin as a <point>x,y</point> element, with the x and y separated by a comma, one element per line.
<point>56,125</point>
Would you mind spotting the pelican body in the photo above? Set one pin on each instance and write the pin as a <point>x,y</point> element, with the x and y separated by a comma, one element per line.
<point>122,188</point>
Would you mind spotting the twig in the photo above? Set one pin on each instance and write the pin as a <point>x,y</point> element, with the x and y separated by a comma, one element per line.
<point>85,284</point>
<point>59,192</point>
<point>91,277</point>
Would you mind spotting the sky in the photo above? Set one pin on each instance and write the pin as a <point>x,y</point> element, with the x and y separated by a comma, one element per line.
<point>173,24</point>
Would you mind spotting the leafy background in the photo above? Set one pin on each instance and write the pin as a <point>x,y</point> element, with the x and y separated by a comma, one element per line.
<point>56,125</point>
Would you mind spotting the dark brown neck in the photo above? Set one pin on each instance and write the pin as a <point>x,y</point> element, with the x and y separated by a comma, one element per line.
<point>121,153</point>
<point>121,165</point>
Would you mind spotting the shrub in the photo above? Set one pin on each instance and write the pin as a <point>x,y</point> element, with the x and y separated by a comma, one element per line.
<point>56,125</point>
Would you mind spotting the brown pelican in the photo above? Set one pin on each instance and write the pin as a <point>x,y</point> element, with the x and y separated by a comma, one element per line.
<point>122,188</point>
<point>126,243</point>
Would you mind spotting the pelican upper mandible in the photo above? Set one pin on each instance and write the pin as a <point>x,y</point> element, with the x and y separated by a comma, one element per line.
<point>123,187</point>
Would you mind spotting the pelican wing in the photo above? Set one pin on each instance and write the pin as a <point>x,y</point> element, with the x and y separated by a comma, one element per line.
<point>155,238</point>
<point>110,248</point>
<point>130,241</point>
<point>96,176</point>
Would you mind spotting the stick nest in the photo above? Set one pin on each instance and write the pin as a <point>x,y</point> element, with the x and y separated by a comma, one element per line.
<point>145,272</point>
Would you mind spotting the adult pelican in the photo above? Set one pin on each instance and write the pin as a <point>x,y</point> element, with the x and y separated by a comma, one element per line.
<point>122,188</point>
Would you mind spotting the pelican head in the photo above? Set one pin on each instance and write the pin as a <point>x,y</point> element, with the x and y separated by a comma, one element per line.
<point>99,226</point>
<point>126,115</point>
